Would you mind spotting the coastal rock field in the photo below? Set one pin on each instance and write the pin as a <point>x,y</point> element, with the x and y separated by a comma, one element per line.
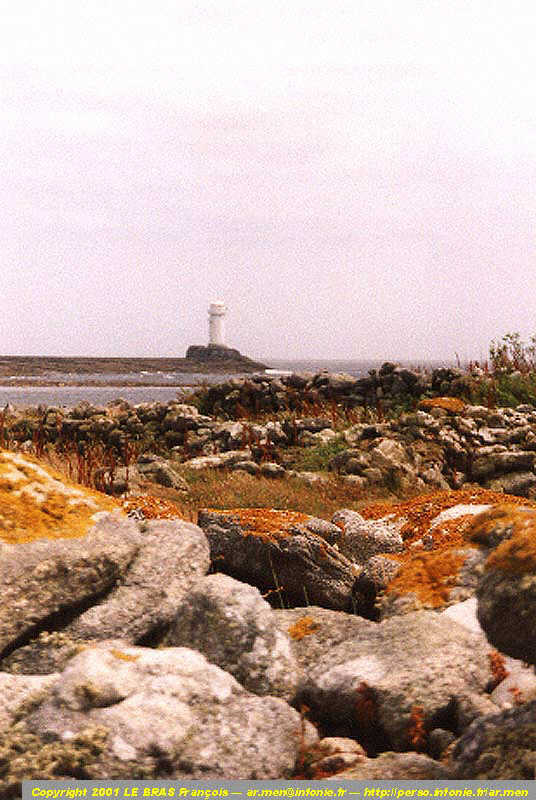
<point>273,596</point>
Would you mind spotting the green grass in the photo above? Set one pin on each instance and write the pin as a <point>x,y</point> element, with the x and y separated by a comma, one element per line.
<point>223,489</point>
<point>317,457</point>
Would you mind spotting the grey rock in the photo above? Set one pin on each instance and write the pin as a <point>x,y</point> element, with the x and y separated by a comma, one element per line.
<point>327,530</point>
<point>233,627</point>
<point>18,689</point>
<point>371,684</point>
<point>246,466</point>
<point>162,472</point>
<point>174,554</point>
<point>377,573</point>
<point>518,483</point>
<point>311,478</point>
<point>270,469</point>
<point>362,538</point>
<point>438,741</point>
<point>389,454</point>
<point>167,714</point>
<point>43,655</point>
<point>326,630</point>
<point>498,746</point>
<point>506,608</point>
<point>373,475</point>
<point>53,576</point>
<point>395,766</point>
<point>519,686</point>
<point>218,461</point>
<point>294,566</point>
<point>498,462</point>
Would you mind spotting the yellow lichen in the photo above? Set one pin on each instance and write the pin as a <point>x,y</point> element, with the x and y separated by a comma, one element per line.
<point>123,656</point>
<point>267,523</point>
<point>430,576</point>
<point>303,626</point>
<point>153,507</point>
<point>452,404</point>
<point>498,523</point>
<point>517,555</point>
<point>36,502</point>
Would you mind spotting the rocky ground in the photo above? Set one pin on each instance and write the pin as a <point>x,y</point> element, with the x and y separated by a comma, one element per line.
<point>392,640</point>
<point>443,442</point>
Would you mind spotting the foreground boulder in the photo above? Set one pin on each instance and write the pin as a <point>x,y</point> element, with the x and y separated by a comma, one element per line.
<point>145,602</point>
<point>284,553</point>
<point>233,626</point>
<point>392,683</point>
<point>500,746</point>
<point>137,713</point>
<point>507,592</point>
<point>72,563</point>
<point>61,546</point>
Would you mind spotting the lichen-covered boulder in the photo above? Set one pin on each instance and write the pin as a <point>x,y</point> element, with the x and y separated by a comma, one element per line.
<point>36,502</point>
<point>361,538</point>
<point>159,713</point>
<point>230,623</point>
<point>61,546</point>
<point>498,523</point>
<point>432,580</point>
<point>451,404</point>
<point>280,554</point>
<point>393,683</point>
<point>173,556</point>
<point>498,747</point>
<point>507,591</point>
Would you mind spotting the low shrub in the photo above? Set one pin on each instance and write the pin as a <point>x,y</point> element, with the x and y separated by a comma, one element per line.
<point>317,457</point>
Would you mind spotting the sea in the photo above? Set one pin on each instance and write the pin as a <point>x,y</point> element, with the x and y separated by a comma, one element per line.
<point>163,386</point>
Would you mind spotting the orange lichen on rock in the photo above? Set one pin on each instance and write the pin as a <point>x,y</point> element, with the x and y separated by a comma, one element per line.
<point>451,532</point>
<point>36,502</point>
<point>452,404</point>
<point>432,573</point>
<point>516,556</point>
<point>268,523</point>
<point>123,656</point>
<point>497,664</point>
<point>152,507</point>
<point>416,730</point>
<point>430,576</point>
<point>418,512</point>
<point>500,522</point>
<point>303,626</point>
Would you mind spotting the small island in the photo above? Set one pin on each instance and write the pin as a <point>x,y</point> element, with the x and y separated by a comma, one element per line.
<point>215,357</point>
<point>53,370</point>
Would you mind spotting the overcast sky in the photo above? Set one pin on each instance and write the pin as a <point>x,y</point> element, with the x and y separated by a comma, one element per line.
<point>354,178</point>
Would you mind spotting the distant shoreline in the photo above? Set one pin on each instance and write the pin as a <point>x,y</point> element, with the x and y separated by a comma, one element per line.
<point>43,370</point>
<point>23,384</point>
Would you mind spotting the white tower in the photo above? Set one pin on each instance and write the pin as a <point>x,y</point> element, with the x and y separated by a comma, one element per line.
<point>216,323</point>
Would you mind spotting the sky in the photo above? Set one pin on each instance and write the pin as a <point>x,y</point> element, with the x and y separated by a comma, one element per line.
<point>353,178</point>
